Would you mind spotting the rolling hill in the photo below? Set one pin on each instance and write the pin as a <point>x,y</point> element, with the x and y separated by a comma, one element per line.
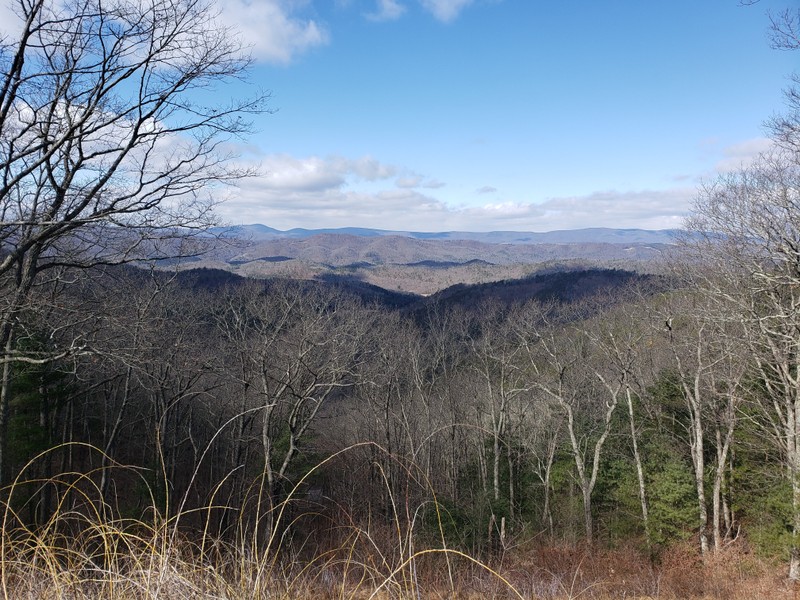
<point>425,263</point>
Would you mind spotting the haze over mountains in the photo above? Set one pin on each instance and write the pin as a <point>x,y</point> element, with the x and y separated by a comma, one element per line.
<point>258,232</point>
<point>426,263</point>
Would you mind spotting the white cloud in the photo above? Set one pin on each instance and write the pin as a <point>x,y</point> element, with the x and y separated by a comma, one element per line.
<point>445,10</point>
<point>742,154</point>
<point>273,28</point>
<point>284,173</point>
<point>720,160</point>
<point>391,10</point>
<point>433,184</point>
<point>409,181</point>
<point>644,209</point>
<point>487,189</point>
<point>332,207</point>
<point>11,23</point>
<point>387,10</point>
<point>418,181</point>
<point>366,168</point>
<point>318,192</point>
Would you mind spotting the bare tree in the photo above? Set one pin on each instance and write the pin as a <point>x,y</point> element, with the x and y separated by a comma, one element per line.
<point>622,339</point>
<point>561,358</point>
<point>543,429</point>
<point>107,151</point>
<point>497,359</point>
<point>746,256</point>
<point>704,345</point>
<point>785,35</point>
<point>385,409</point>
<point>302,348</point>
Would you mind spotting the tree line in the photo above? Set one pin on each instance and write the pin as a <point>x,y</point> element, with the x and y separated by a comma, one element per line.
<point>641,415</point>
<point>652,415</point>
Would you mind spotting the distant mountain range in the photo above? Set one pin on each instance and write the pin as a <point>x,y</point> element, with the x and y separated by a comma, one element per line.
<point>594,235</point>
<point>425,263</point>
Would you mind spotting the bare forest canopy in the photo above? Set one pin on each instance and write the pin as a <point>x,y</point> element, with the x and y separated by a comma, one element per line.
<point>423,263</point>
<point>537,406</point>
<point>193,412</point>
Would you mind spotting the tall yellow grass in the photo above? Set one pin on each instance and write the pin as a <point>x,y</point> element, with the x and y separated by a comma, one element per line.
<point>87,550</point>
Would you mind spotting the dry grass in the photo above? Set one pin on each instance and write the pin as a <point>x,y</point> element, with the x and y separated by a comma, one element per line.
<point>85,550</point>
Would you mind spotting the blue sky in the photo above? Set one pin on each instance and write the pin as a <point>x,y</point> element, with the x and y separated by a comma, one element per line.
<point>481,115</point>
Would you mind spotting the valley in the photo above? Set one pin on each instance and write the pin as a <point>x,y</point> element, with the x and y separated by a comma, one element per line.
<point>424,264</point>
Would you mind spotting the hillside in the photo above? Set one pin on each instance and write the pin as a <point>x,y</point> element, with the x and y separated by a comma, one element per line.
<point>425,263</point>
<point>558,285</point>
<point>257,232</point>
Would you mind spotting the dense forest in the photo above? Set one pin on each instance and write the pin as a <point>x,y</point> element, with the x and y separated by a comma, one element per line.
<point>636,416</point>
<point>169,432</point>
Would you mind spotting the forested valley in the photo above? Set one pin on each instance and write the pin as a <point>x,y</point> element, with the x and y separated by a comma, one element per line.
<point>169,432</point>
<point>299,421</point>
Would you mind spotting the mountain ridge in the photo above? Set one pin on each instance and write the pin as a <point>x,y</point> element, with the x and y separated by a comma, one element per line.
<point>426,263</point>
<point>258,232</point>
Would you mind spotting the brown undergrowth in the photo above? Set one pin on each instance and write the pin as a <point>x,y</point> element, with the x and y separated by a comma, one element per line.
<point>86,550</point>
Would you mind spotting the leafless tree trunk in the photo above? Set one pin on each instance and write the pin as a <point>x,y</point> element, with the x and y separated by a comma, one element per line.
<point>745,256</point>
<point>303,347</point>
<point>497,359</point>
<point>623,345</point>
<point>105,155</point>
<point>561,362</point>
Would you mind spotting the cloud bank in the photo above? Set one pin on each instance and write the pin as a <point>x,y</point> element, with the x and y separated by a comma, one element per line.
<point>334,191</point>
